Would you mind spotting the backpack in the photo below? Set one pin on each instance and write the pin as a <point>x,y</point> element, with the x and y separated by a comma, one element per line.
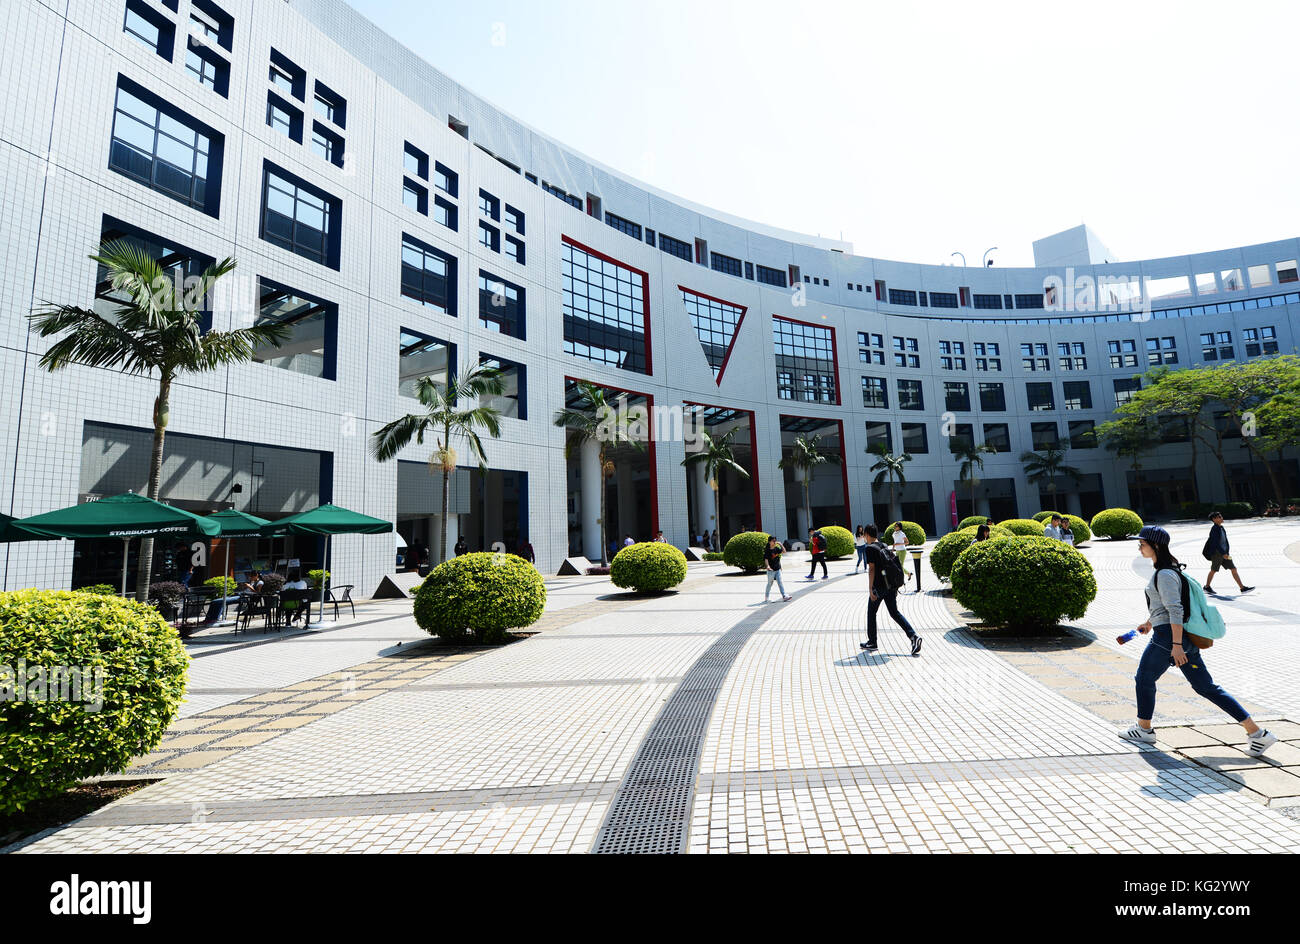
<point>819,543</point>
<point>1202,623</point>
<point>893,570</point>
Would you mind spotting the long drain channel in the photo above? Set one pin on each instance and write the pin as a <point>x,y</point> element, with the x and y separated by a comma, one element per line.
<point>652,809</point>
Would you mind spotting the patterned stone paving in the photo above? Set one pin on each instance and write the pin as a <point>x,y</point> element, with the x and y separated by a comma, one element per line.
<point>811,745</point>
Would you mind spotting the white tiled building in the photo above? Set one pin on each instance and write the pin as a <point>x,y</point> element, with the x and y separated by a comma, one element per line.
<point>428,189</point>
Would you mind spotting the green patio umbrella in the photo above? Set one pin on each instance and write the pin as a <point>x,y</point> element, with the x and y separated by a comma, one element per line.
<point>327,521</point>
<point>234,523</point>
<point>123,516</point>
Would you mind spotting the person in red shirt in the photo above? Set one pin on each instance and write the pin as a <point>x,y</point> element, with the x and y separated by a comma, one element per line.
<point>817,544</point>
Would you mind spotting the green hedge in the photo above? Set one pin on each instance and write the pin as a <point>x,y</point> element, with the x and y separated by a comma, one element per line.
<point>480,595</point>
<point>648,567</point>
<point>1196,510</point>
<point>1027,583</point>
<point>316,577</point>
<point>106,589</point>
<point>947,548</point>
<point>46,745</point>
<point>839,542</point>
<point>915,533</point>
<point>1043,516</point>
<point>974,521</point>
<point>1023,527</point>
<point>222,584</point>
<point>713,555</point>
<point>1235,510</point>
<point>745,550</point>
<point>1115,523</point>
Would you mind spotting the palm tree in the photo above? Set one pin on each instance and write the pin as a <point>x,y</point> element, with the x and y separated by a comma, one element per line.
<point>805,457</point>
<point>1047,465</point>
<point>888,466</point>
<point>156,327</point>
<point>600,422</point>
<point>716,455</point>
<point>445,419</point>
<point>1131,437</point>
<point>971,457</point>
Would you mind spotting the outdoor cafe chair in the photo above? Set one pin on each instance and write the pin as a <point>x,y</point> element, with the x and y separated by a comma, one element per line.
<point>345,596</point>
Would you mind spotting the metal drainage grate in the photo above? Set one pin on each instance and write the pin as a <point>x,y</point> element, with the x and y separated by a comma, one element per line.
<point>651,812</point>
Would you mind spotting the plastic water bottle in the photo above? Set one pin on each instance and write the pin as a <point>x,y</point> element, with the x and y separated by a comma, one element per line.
<point>1131,634</point>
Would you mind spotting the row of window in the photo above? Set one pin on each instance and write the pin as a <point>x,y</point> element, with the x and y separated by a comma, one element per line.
<point>288,83</point>
<point>1076,395</point>
<point>916,440</point>
<point>207,46</point>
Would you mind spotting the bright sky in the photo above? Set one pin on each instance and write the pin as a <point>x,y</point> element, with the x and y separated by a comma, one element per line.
<point>910,129</point>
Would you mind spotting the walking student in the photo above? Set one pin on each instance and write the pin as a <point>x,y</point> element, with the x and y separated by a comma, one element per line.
<point>1170,646</point>
<point>900,547</point>
<point>772,560</point>
<point>883,591</point>
<point>1216,552</point>
<point>860,545</point>
<point>817,544</point>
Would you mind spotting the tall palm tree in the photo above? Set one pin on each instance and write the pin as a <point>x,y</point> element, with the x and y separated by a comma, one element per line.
<point>155,327</point>
<point>805,457</point>
<point>601,422</point>
<point>888,466</point>
<point>1047,465</point>
<point>1131,437</point>
<point>445,419</point>
<point>971,457</point>
<point>716,455</point>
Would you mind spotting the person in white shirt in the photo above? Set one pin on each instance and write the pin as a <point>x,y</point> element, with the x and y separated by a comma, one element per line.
<point>1053,530</point>
<point>900,547</point>
<point>297,583</point>
<point>860,543</point>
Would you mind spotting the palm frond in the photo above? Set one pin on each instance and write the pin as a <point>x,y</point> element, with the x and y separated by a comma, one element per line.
<point>387,441</point>
<point>94,341</point>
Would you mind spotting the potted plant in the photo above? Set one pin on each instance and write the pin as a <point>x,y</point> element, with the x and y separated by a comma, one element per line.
<point>166,595</point>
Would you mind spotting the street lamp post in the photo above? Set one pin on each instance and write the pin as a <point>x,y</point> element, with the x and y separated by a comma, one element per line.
<point>986,261</point>
<point>963,258</point>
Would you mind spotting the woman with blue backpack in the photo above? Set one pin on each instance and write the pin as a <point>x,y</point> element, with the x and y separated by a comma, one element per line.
<point>1171,610</point>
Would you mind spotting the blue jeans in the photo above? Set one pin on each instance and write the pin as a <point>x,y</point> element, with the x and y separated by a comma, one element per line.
<point>1156,660</point>
<point>862,558</point>
<point>774,575</point>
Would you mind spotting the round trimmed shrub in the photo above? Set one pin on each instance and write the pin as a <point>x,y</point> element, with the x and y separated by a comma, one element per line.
<point>222,584</point>
<point>1231,511</point>
<point>953,543</point>
<point>839,542</point>
<point>974,521</point>
<point>713,555</point>
<point>121,674</point>
<point>1022,527</point>
<point>1115,523</point>
<point>915,533</point>
<point>648,567</point>
<point>479,595</point>
<point>745,550</point>
<point>1025,583</point>
<point>316,577</point>
<point>1080,528</point>
<point>1043,516</point>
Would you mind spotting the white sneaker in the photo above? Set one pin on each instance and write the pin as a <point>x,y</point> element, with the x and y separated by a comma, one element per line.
<point>1259,742</point>
<point>1140,734</point>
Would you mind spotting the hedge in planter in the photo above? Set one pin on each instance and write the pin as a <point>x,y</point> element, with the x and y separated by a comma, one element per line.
<point>647,567</point>
<point>1115,523</point>
<point>745,550</point>
<point>950,545</point>
<point>221,584</point>
<point>1025,583</point>
<point>915,533</point>
<point>1023,527</point>
<point>839,542</point>
<point>129,664</point>
<point>480,595</point>
<point>1042,516</point>
<point>974,521</point>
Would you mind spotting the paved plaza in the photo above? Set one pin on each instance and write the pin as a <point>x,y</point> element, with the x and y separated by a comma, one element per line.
<point>707,721</point>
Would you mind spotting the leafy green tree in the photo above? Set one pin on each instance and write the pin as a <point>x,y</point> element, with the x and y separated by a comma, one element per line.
<point>446,420</point>
<point>1046,466</point>
<point>971,457</point>
<point>716,455</point>
<point>1130,437</point>
<point>1248,391</point>
<point>155,328</point>
<point>805,457</point>
<point>888,467</point>
<point>599,421</point>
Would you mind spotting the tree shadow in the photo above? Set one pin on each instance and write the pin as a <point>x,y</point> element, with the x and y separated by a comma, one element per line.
<point>629,595</point>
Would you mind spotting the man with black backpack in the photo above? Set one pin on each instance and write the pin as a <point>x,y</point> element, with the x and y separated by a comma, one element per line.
<point>817,545</point>
<point>885,575</point>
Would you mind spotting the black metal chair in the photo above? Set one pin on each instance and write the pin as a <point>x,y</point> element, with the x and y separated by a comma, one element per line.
<point>299,606</point>
<point>194,605</point>
<point>345,596</point>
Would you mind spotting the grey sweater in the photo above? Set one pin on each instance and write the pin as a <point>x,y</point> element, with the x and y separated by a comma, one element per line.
<point>1165,598</point>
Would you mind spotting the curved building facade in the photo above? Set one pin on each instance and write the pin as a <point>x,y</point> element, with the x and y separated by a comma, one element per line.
<point>403,227</point>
